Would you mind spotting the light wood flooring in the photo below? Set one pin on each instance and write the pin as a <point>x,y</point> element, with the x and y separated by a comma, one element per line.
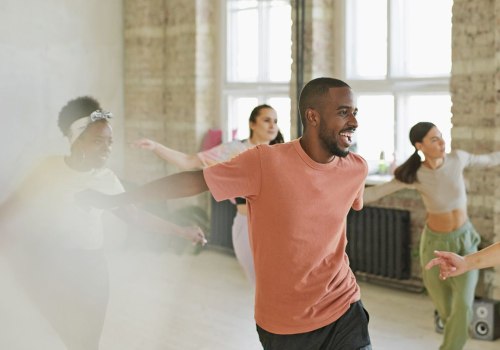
<point>182,299</point>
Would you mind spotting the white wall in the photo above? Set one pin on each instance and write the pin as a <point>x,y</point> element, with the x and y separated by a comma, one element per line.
<point>52,51</point>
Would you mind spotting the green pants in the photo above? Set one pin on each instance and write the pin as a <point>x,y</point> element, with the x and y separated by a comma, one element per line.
<point>454,297</point>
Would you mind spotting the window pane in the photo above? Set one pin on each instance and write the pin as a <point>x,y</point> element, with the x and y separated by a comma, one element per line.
<point>279,54</point>
<point>375,129</point>
<point>282,107</point>
<point>426,49</point>
<point>242,50</point>
<point>259,51</point>
<point>241,4</point>
<point>426,108</point>
<point>367,49</point>
<point>239,111</point>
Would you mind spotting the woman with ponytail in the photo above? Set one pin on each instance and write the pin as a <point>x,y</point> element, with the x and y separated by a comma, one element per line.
<point>439,180</point>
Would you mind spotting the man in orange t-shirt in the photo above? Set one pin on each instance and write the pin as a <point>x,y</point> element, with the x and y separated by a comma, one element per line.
<point>298,196</point>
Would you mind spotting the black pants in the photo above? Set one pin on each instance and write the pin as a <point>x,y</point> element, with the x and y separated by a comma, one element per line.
<point>349,332</point>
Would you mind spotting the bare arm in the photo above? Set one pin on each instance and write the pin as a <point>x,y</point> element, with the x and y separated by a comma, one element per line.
<point>149,222</point>
<point>182,160</point>
<point>487,160</point>
<point>487,257</point>
<point>374,193</point>
<point>185,184</point>
<point>451,264</point>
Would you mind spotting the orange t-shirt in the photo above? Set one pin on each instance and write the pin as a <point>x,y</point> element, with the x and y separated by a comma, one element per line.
<point>297,211</point>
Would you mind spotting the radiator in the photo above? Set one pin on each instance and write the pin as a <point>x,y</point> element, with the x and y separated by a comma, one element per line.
<point>378,238</point>
<point>221,223</point>
<point>379,242</point>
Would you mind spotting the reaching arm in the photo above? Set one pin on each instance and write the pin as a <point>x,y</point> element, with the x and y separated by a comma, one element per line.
<point>487,160</point>
<point>451,264</point>
<point>373,193</point>
<point>149,222</point>
<point>182,160</point>
<point>185,184</point>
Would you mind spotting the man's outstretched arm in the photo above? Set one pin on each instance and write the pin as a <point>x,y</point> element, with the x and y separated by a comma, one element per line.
<point>184,184</point>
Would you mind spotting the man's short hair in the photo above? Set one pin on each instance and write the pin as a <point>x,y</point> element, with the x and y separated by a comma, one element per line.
<point>312,92</point>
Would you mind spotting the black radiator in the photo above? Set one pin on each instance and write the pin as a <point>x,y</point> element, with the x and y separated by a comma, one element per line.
<point>378,238</point>
<point>221,223</point>
<point>379,242</point>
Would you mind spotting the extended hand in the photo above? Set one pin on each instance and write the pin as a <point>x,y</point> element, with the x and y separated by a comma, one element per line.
<point>195,234</point>
<point>144,143</point>
<point>450,264</point>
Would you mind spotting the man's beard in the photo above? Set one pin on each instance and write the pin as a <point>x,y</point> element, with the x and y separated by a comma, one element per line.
<point>330,143</point>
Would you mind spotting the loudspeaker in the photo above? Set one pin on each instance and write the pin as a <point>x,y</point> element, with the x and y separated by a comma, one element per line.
<point>485,324</point>
<point>485,320</point>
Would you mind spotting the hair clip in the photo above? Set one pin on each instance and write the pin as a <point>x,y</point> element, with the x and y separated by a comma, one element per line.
<point>100,114</point>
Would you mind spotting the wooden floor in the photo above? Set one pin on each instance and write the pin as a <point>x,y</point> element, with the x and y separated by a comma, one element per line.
<point>177,299</point>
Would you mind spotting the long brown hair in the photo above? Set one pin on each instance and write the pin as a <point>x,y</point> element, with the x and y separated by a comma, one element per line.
<point>253,119</point>
<point>407,172</point>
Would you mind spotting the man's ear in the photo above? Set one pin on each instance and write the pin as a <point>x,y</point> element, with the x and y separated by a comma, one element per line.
<point>312,117</point>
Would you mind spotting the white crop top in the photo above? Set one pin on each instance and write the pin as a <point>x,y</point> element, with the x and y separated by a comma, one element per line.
<point>442,189</point>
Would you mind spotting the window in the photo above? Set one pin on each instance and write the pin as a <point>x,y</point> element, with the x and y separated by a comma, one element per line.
<point>258,62</point>
<point>398,61</point>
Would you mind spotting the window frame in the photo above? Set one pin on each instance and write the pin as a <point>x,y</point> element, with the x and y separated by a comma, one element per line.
<point>394,83</point>
<point>263,88</point>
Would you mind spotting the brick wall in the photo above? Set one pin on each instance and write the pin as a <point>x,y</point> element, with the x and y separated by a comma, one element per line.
<point>474,88</point>
<point>170,87</point>
<point>145,65</point>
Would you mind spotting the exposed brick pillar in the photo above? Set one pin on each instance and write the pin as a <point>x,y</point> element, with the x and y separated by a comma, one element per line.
<point>171,65</point>
<point>474,89</point>
<point>145,65</point>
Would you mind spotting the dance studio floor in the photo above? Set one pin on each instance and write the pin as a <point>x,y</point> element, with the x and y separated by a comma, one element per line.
<point>181,299</point>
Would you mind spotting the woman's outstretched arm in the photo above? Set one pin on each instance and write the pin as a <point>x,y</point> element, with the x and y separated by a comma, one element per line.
<point>451,264</point>
<point>181,160</point>
<point>374,193</point>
